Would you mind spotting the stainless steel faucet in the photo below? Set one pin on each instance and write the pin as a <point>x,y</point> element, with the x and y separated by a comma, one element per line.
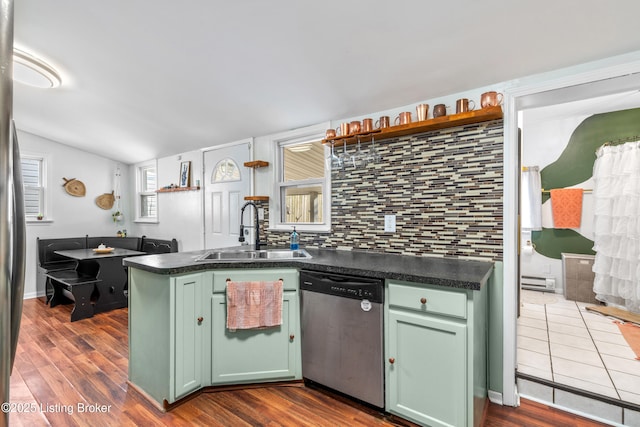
<point>257,225</point>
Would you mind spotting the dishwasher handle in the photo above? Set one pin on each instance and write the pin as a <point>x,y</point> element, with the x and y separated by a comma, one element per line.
<point>343,285</point>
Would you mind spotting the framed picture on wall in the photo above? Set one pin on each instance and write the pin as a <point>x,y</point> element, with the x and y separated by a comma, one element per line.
<point>185,174</point>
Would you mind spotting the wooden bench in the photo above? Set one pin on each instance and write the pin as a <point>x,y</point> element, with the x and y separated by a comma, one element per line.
<point>75,285</point>
<point>63,281</point>
<point>47,261</point>
<point>158,246</point>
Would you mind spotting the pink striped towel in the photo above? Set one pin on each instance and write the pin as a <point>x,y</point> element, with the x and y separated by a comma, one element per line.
<point>254,304</point>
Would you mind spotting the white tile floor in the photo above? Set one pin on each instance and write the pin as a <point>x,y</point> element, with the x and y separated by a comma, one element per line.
<point>561,341</point>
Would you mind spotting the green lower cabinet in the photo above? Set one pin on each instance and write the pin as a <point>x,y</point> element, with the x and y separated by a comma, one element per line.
<point>250,355</point>
<point>435,354</point>
<point>188,334</point>
<point>165,335</point>
<point>178,341</point>
<point>427,380</point>
<point>255,355</point>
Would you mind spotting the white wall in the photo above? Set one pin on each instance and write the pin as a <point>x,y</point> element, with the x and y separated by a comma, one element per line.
<point>543,141</point>
<point>70,216</point>
<point>179,213</point>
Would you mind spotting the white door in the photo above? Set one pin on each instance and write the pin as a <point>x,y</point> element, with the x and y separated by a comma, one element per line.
<point>226,183</point>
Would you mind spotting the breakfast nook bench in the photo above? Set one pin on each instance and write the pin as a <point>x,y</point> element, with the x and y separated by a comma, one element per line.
<point>74,270</point>
<point>76,286</point>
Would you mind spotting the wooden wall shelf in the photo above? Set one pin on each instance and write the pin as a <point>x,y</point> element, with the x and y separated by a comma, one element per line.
<point>173,190</point>
<point>451,120</point>
<point>256,164</point>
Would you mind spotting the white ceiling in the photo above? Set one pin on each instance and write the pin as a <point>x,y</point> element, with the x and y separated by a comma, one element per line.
<point>145,79</point>
<point>584,107</point>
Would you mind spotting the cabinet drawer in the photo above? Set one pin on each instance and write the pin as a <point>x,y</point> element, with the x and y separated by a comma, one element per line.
<point>428,300</point>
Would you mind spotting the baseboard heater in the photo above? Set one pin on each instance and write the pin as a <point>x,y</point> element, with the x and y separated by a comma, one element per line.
<point>537,283</point>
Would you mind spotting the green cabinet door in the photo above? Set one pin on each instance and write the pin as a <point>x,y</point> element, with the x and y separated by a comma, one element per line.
<point>254,355</point>
<point>188,333</point>
<point>427,369</point>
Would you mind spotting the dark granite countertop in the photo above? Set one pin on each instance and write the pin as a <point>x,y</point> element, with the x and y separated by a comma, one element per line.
<point>456,273</point>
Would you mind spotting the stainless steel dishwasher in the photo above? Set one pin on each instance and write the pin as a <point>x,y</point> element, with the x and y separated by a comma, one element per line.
<point>342,327</point>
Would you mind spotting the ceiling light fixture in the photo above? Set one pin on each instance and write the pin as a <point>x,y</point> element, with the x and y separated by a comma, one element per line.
<point>32,71</point>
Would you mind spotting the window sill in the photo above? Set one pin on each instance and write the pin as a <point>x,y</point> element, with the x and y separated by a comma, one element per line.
<point>305,228</point>
<point>39,221</point>
<point>146,221</point>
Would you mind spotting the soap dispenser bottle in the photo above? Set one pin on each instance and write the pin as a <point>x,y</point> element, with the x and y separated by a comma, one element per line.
<point>294,240</point>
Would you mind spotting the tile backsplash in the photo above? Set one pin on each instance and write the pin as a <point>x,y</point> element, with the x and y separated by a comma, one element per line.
<point>445,188</point>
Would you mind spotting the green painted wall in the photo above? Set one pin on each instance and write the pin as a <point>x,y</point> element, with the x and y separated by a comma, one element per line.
<point>552,242</point>
<point>575,165</point>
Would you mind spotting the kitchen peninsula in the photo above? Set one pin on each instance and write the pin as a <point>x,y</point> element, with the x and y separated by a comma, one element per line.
<point>435,325</point>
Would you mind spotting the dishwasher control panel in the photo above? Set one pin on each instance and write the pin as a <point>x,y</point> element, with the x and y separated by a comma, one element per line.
<point>343,285</point>
<point>357,291</point>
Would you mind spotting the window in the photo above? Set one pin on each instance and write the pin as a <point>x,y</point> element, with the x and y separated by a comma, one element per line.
<point>147,200</point>
<point>225,171</point>
<point>303,190</point>
<point>34,182</point>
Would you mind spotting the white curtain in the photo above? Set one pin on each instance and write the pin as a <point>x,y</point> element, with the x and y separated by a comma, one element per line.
<point>531,199</point>
<point>616,175</point>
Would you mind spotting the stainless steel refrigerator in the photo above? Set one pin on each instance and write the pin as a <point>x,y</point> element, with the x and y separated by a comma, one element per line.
<point>12,222</point>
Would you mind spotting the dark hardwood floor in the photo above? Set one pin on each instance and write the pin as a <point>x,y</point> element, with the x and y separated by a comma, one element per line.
<point>66,373</point>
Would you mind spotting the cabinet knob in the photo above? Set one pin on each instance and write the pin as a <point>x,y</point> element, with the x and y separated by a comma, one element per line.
<point>291,337</point>
<point>392,360</point>
<point>423,300</point>
<point>200,319</point>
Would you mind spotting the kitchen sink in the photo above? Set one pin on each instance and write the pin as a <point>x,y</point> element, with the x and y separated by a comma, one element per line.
<point>222,255</point>
<point>283,254</point>
<point>263,254</point>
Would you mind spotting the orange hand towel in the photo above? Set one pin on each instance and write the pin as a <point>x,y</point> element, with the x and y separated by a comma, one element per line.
<point>254,304</point>
<point>566,205</point>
